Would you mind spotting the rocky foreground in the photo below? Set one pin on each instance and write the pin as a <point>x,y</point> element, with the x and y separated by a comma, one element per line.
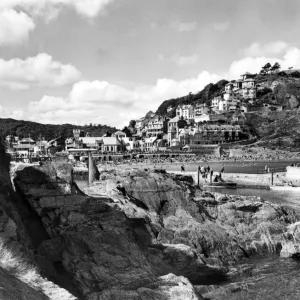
<point>158,238</point>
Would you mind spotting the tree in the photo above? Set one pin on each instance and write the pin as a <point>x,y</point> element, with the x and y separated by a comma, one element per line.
<point>267,68</point>
<point>275,68</point>
<point>132,123</point>
<point>127,131</point>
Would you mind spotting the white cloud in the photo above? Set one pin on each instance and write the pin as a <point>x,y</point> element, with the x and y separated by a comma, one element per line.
<point>40,70</point>
<point>16,16</point>
<point>273,48</point>
<point>222,26</point>
<point>14,27</point>
<point>106,103</point>
<point>183,27</point>
<point>87,8</point>
<point>286,55</point>
<point>184,60</point>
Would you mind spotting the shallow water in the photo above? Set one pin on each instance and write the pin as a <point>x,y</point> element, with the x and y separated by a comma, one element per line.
<point>253,167</point>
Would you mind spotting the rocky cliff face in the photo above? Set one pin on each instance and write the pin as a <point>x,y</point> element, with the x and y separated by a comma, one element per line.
<point>150,239</point>
<point>219,229</point>
<point>88,244</point>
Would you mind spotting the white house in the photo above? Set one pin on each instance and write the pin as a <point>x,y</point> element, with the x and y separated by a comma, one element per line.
<point>185,111</point>
<point>201,118</point>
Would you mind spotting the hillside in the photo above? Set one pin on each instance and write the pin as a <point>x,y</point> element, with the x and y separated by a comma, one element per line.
<point>48,131</point>
<point>275,129</point>
<point>204,96</point>
<point>279,130</point>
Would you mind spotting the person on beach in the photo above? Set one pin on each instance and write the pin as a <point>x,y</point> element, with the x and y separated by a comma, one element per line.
<point>266,168</point>
<point>182,168</point>
<point>222,169</point>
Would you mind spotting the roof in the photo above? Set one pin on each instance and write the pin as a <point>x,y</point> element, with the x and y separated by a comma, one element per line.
<point>247,73</point>
<point>24,146</point>
<point>249,79</point>
<point>90,140</point>
<point>110,141</point>
<point>175,119</point>
<point>119,132</point>
<point>151,139</point>
<point>27,140</point>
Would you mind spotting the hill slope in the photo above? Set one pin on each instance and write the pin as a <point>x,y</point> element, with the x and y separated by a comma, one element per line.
<point>204,96</point>
<point>48,131</point>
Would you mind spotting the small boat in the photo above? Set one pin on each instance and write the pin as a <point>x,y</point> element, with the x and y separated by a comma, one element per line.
<point>225,185</point>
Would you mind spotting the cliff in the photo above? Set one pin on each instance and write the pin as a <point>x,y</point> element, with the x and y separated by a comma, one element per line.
<point>135,234</point>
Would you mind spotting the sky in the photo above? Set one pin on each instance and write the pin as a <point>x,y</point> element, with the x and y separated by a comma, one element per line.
<point>111,61</point>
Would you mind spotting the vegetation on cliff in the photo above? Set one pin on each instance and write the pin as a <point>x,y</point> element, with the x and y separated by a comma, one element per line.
<point>48,131</point>
<point>204,96</point>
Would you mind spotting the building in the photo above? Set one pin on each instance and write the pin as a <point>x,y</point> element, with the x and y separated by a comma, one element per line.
<point>155,126</point>
<point>228,105</point>
<point>173,127</point>
<point>185,111</point>
<point>215,103</point>
<point>111,144</point>
<point>131,144</point>
<point>201,118</point>
<point>151,144</point>
<point>215,134</point>
<point>203,149</point>
<point>200,109</point>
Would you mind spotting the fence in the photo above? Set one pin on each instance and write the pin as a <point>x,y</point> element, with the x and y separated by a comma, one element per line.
<point>272,170</point>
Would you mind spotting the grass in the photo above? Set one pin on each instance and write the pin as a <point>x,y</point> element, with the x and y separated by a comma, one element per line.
<point>17,265</point>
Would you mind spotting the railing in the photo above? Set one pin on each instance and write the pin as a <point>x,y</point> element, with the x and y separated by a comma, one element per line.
<point>272,170</point>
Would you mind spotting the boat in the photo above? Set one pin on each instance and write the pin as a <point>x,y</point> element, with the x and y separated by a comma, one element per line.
<point>226,185</point>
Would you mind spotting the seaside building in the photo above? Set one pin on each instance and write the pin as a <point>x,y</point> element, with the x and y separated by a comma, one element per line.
<point>185,111</point>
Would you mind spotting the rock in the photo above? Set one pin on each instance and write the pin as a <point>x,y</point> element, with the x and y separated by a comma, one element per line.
<point>123,245</point>
<point>293,101</point>
<point>290,249</point>
<point>12,288</point>
<point>170,287</point>
<point>291,241</point>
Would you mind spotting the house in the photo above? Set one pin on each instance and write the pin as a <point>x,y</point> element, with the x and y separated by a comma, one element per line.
<point>247,75</point>
<point>215,103</point>
<point>151,143</point>
<point>200,109</point>
<point>155,126</point>
<point>185,111</point>
<point>173,127</point>
<point>228,93</point>
<point>110,144</point>
<point>131,143</point>
<point>202,118</point>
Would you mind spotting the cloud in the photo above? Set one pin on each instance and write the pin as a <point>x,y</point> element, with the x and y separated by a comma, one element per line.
<point>14,27</point>
<point>86,8</point>
<point>184,60</point>
<point>273,48</point>
<point>222,26</point>
<point>40,70</point>
<point>107,103</point>
<point>183,27</point>
<point>17,16</point>
<point>286,55</point>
